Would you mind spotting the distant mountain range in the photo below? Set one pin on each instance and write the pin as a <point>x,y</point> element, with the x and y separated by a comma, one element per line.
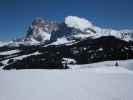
<point>53,45</point>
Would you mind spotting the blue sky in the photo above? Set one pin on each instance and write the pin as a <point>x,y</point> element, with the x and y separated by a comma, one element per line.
<point>16,15</point>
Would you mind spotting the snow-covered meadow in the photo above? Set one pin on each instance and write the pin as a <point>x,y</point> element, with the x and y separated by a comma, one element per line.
<point>99,81</point>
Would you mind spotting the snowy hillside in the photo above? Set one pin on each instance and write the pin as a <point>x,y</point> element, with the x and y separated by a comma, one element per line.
<point>104,82</point>
<point>51,56</point>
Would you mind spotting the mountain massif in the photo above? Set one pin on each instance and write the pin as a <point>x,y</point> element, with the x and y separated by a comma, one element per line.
<point>54,45</point>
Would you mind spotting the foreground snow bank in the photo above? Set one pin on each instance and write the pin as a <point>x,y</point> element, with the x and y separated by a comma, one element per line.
<point>128,64</point>
<point>82,84</point>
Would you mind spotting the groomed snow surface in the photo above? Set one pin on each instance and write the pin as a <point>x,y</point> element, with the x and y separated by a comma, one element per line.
<point>99,81</point>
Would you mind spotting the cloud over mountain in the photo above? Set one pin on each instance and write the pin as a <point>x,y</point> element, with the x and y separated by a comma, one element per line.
<point>77,22</point>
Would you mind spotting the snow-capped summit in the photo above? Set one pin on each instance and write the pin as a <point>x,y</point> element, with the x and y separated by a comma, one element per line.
<point>37,31</point>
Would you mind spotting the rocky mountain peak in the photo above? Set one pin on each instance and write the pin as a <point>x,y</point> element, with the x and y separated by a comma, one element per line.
<point>38,23</point>
<point>38,31</point>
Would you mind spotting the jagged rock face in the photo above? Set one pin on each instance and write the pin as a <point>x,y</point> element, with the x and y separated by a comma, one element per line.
<point>38,23</point>
<point>62,31</point>
<point>47,26</point>
<point>40,30</point>
<point>70,33</point>
<point>37,31</point>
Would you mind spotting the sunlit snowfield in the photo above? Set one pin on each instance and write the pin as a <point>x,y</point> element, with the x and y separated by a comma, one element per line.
<point>99,81</point>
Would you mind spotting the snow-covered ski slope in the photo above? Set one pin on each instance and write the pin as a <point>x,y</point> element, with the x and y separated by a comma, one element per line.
<point>99,81</point>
